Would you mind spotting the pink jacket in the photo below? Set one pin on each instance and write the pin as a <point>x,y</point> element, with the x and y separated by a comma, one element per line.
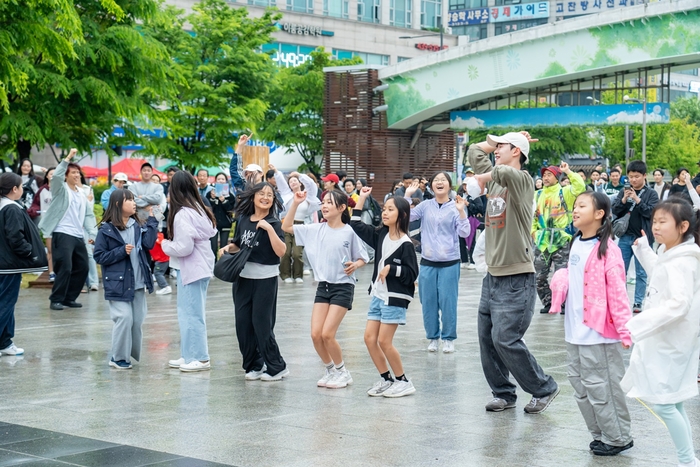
<point>606,308</point>
<point>190,245</point>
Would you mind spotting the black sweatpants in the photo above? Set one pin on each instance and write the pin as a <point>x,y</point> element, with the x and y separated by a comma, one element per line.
<point>70,264</point>
<point>255,301</point>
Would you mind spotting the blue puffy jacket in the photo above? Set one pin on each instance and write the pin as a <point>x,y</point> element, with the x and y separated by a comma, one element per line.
<point>110,253</point>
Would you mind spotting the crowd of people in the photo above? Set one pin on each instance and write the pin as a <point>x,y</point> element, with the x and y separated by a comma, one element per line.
<point>582,228</point>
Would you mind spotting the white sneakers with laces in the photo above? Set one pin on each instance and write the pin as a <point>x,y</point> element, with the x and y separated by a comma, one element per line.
<point>448,346</point>
<point>254,375</point>
<point>400,389</point>
<point>164,291</point>
<point>379,388</point>
<point>341,379</point>
<point>195,366</point>
<point>433,345</point>
<point>327,375</point>
<point>12,350</point>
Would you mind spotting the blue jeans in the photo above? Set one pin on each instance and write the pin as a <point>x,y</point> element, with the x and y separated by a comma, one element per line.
<point>9,292</point>
<point>640,287</point>
<point>191,299</point>
<point>438,289</point>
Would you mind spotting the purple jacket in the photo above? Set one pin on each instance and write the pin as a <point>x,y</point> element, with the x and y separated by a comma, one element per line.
<point>606,308</point>
<point>441,227</point>
<point>190,246</point>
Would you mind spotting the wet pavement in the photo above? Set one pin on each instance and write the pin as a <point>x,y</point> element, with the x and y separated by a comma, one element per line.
<point>153,415</point>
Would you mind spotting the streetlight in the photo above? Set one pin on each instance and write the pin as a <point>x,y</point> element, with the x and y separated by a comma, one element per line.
<point>627,98</point>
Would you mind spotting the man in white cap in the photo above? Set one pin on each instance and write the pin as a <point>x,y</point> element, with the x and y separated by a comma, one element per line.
<point>241,178</point>
<point>508,292</point>
<point>118,182</point>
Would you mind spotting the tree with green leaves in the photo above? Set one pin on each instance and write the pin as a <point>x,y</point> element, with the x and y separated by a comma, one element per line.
<point>295,116</point>
<point>115,75</point>
<point>226,80</point>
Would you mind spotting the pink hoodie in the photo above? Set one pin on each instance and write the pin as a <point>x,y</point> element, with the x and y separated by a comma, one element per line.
<point>191,246</point>
<point>606,308</point>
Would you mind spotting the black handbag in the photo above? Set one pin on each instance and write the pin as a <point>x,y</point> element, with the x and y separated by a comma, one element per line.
<point>229,266</point>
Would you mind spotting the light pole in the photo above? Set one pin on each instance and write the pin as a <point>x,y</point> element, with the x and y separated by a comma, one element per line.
<point>644,123</point>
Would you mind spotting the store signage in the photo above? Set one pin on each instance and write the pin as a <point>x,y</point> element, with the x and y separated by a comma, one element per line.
<point>467,17</point>
<point>430,47</point>
<point>520,12</point>
<point>584,7</point>
<point>302,29</point>
<point>694,86</point>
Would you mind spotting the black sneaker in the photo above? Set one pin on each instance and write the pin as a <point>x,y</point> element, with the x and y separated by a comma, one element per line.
<point>545,310</point>
<point>72,304</point>
<point>636,308</point>
<point>594,444</point>
<point>120,364</point>
<point>56,306</point>
<point>607,450</point>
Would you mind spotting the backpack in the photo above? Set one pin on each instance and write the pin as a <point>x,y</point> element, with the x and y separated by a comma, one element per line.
<point>374,210</point>
<point>28,196</point>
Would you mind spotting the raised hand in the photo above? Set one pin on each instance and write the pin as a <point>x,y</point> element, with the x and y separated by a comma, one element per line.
<point>271,167</point>
<point>365,191</point>
<point>71,154</point>
<point>242,141</point>
<point>412,189</point>
<point>461,203</point>
<point>299,197</point>
<point>564,167</point>
<point>527,135</point>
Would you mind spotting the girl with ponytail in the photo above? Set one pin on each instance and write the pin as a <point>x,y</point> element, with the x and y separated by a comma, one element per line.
<point>594,288</point>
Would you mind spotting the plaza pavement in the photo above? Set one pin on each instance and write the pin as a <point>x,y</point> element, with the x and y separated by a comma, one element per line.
<point>63,384</point>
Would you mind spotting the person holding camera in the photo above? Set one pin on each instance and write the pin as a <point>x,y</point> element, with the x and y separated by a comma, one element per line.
<point>633,206</point>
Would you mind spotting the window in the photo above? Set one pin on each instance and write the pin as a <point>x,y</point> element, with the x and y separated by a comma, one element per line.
<point>301,6</point>
<point>475,32</point>
<point>691,72</point>
<point>367,58</point>
<point>400,13</point>
<point>369,11</point>
<point>262,2</point>
<point>336,8</point>
<point>510,2</point>
<point>403,59</point>
<point>431,13</point>
<point>466,4</point>
<point>513,26</point>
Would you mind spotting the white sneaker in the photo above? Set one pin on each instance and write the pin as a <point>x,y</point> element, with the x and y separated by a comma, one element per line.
<point>341,379</point>
<point>379,388</point>
<point>299,280</point>
<point>471,266</point>
<point>462,265</point>
<point>195,366</point>
<point>164,291</point>
<point>173,273</point>
<point>433,346</point>
<point>400,389</point>
<point>176,363</point>
<point>307,272</point>
<point>254,375</point>
<point>278,377</point>
<point>94,288</point>
<point>12,350</point>
<point>448,346</point>
<point>289,280</point>
<point>321,383</point>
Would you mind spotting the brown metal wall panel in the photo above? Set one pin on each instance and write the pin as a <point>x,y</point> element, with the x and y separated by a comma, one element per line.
<point>360,144</point>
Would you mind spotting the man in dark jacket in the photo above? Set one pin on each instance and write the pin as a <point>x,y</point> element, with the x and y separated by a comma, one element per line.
<point>638,199</point>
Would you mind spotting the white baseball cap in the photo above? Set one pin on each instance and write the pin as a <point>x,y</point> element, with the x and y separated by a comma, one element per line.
<point>516,139</point>
<point>253,168</point>
<point>120,177</point>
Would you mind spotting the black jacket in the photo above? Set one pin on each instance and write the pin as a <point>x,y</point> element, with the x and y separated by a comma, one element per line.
<point>641,214</point>
<point>110,252</point>
<point>21,247</point>
<point>222,209</point>
<point>403,264</point>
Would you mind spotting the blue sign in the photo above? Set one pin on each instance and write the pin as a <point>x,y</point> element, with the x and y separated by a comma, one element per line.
<point>622,114</point>
<point>468,17</point>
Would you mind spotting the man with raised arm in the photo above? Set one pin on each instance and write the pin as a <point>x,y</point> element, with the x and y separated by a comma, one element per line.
<point>508,292</point>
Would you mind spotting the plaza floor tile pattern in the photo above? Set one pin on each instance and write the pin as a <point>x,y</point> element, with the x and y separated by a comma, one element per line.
<point>61,404</point>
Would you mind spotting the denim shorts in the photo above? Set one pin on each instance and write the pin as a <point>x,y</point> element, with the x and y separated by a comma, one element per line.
<point>335,294</point>
<point>386,314</point>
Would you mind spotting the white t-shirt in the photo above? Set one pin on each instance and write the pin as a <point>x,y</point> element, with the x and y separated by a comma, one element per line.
<point>328,248</point>
<point>389,246</point>
<point>575,330</point>
<point>72,222</point>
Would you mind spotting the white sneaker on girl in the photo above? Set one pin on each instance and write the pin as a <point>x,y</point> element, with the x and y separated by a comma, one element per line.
<point>341,379</point>
<point>327,375</point>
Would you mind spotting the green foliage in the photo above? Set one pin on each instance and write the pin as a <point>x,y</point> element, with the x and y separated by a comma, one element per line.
<point>115,75</point>
<point>687,109</point>
<point>98,189</point>
<point>295,116</point>
<point>403,99</point>
<point>226,80</point>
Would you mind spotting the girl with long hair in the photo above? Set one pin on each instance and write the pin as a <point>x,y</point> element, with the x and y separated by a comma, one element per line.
<point>30,182</point>
<point>335,253</point>
<point>255,291</point>
<point>40,205</point>
<point>190,226</point>
<point>594,288</point>
<point>120,248</point>
<point>393,285</point>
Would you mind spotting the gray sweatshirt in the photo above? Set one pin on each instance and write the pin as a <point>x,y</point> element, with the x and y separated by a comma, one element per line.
<point>146,194</point>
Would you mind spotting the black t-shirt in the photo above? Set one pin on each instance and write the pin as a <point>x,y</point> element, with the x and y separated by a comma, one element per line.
<point>636,221</point>
<point>262,251</point>
<point>680,190</point>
